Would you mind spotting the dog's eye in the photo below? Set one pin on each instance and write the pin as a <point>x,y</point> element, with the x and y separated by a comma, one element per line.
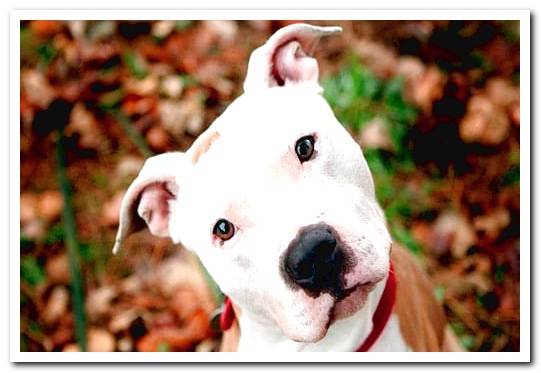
<point>223,229</point>
<point>305,148</point>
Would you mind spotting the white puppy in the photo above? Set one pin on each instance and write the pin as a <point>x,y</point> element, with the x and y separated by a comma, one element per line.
<point>278,202</point>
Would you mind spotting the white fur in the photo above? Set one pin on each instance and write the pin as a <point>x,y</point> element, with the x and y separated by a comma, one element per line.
<point>251,176</point>
<point>343,335</point>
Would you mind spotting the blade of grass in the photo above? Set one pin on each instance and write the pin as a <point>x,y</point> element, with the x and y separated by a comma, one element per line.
<point>72,244</point>
<point>134,135</point>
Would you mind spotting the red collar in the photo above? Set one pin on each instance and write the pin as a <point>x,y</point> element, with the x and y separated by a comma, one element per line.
<point>379,320</point>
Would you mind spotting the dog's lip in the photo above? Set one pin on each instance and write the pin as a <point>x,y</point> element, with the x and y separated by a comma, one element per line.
<point>354,288</point>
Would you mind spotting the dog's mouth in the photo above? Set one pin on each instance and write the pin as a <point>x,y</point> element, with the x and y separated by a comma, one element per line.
<point>350,301</point>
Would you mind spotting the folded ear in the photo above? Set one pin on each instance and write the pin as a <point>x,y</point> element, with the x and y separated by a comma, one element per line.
<point>286,57</point>
<point>149,197</point>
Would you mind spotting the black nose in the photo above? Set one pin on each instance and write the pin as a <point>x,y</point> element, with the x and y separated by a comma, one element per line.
<point>314,261</point>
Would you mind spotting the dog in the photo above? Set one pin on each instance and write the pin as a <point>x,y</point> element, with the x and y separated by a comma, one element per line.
<point>278,202</point>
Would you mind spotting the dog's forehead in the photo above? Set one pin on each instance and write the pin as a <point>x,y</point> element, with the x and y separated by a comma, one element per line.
<point>274,113</point>
<point>252,144</point>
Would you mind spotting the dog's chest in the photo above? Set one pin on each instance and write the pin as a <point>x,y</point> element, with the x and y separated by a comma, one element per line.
<point>343,337</point>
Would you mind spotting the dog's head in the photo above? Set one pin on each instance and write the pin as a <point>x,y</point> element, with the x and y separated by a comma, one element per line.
<point>275,197</point>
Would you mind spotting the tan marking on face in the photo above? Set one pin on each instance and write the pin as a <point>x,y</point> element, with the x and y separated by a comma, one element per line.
<point>203,144</point>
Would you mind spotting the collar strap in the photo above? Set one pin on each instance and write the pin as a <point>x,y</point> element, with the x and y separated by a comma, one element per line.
<point>228,315</point>
<point>379,319</point>
<point>383,311</point>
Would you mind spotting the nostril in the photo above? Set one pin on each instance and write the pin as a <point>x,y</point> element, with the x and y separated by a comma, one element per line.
<point>313,260</point>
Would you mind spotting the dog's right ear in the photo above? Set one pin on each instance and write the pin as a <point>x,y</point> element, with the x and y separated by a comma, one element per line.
<point>286,58</point>
<point>148,198</point>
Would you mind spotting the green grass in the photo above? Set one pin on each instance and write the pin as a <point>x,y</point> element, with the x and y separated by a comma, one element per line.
<point>32,271</point>
<point>36,51</point>
<point>358,96</point>
<point>72,244</point>
<point>135,64</point>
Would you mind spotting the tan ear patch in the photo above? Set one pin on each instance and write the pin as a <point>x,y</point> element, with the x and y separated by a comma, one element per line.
<point>203,144</point>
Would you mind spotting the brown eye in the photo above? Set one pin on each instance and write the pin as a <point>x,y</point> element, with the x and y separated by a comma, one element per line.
<point>305,148</point>
<point>223,229</point>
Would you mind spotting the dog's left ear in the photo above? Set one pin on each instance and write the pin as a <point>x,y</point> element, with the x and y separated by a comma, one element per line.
<point>286,57</point>
<point>148,198</point>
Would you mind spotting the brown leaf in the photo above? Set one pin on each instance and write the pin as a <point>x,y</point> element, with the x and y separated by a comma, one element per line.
<point>56,305</point>
<point>110,212</point>
<point>379,58</point>
<point>185,303</point>
<point>83,123</point>
<point>50,205</point>
<point>125,344</point>
<point>29,207</point>
<point>177,339</point>
<point>122,320</point>
<point>492,223</point>
<point>36,89</point>
<point>57,269</point>
<point>100,340</point>
<point>374,135</point>
<point>43,28</point>
<point>172,86</point>
<point>428,88</point>
<point>161,29</point>
<point>485,122</point>
<point>224,30</point>
<point>72,347</point>
<point>128,166</point>
<point>147,86</point>
<point>452,230</point>
<point>158,138</point>
<point>99,301</point>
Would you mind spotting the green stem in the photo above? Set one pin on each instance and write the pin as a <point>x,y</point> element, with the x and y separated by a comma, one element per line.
<point>72,244</point>
<point>132,132</point>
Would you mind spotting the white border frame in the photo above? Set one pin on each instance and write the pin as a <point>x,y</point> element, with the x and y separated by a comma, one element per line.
<point>525,157</point>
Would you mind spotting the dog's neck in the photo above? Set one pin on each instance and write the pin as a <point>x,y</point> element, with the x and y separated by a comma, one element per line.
<point>344,335</point>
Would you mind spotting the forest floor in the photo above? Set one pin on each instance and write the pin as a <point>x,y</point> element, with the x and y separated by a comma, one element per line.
<point>434,105</point>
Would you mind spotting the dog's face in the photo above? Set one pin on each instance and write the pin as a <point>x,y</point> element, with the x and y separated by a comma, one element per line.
<point>275,198</point>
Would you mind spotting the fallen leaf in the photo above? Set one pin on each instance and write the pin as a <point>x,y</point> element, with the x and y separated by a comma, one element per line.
<point>452,231</point>
<point>57,269</point>
<point>100,340</point>
<point>28,207</point>
<point>171,86</point>
<point>72,347</point>
<point>376,56</point>
<point>110,212</point>
<point>176,339</point>
<point>45,28</point>
<point>36,89</point>
<point>485,122</point>
<point>128,166</point>
<point>122,320</point>
<point>224,30</point>
<point>147,86</point>
<point>428,88</point>
<point>50,205</point>
<point>158,138</point>
<point>374,135</point>
<point>491,224</point>
<point>161,29</point>
<point>34,229</point>
<point>125,344</point>
<point>56,306</point>
<point>99,301</point>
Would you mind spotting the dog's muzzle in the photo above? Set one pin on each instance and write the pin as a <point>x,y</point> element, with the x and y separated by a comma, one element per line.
<point>315,262</point>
